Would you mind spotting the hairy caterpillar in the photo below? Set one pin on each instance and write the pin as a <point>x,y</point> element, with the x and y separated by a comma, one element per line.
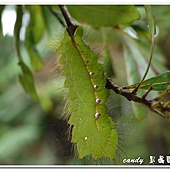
<point>93,130</point>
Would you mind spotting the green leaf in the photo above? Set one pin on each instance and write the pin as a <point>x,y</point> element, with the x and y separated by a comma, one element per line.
<point>36,61</point>
<point>34,33</point>
<point>151,21</point>
<point>158,83</point>
<point>104,15</point>
<point>1,10</point>
<point>17,28</point>
<point>93,130</point>
<point>36,24</point>
<point>27,81</point>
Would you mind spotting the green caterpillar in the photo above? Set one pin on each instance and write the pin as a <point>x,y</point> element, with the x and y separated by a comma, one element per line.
<point>93,130</point>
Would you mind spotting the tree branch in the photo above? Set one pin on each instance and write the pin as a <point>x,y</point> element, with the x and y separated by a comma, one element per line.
<point>157,107</point>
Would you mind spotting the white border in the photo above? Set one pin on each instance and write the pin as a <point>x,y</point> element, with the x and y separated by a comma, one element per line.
<point>77,2</point>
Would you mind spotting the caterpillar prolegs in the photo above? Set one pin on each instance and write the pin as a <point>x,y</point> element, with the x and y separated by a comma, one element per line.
<point>93,132</point>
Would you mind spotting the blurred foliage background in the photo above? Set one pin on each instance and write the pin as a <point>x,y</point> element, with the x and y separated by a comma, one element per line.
<point>37,132</point>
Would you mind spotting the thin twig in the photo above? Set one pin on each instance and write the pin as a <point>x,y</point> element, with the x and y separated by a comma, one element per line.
<point>147,92</point>
<point>146,72</point>
<point>152,47</point>
<point>56,15</point>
